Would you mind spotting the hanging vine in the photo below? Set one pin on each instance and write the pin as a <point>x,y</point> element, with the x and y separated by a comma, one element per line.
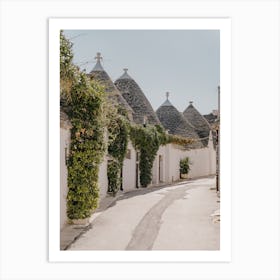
<point>147,140</point>
<point>87,148</point>
<point>84,100</point>
<point>118,137</point>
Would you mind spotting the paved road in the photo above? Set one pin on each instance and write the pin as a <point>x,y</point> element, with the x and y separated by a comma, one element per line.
<point>176,217</point>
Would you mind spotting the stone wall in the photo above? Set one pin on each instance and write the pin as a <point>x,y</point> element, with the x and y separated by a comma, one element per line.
<point>159,166</point>
<point>64,149</point>
<point>203,162</point>
<point>102,178</point>
<point>129,169</point>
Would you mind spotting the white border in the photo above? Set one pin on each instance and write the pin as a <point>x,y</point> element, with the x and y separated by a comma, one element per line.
<point>222,24</point>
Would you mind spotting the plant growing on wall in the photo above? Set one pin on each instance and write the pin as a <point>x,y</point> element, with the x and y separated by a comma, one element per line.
<point>87,148</point>
<point>179,140</point>
<point>113,174</point>
<point>69,73</point>
<point>85,108</point>
<point>147,140</point>
<point>118,135</point>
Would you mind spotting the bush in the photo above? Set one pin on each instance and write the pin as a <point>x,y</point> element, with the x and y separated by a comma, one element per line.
<point>118,133</point>
<point>84,101</point>
<point>147,140</point>
<point>185,165</point>
<point>113,174</point>
<point>87,148</point>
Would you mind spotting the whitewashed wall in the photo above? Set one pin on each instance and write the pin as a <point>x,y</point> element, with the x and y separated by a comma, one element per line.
<point>64,143</point>
<point>199,159</point>
<point>129,173</point>
<point>129,170</point>
<point>159,166</point>
<point>102,178</point>
<point>203,162</point>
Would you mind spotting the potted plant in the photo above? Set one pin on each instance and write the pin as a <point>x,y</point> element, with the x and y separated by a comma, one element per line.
<point>184,167</point>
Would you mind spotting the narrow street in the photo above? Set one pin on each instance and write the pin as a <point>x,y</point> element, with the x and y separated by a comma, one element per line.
<point>176,217</point>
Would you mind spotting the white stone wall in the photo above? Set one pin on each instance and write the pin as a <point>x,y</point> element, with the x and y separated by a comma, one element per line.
<point>159,166</point>
<point>129,173</point>
<point>129,169</point>
<point>102,178</point>
<point>203,162</point>
<point>64,143</point>
<point>199,162</point>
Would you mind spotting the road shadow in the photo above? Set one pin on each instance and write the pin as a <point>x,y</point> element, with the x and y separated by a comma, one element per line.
<point>143,191</point>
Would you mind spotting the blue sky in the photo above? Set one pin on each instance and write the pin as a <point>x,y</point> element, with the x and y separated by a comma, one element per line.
<point>184,62</point>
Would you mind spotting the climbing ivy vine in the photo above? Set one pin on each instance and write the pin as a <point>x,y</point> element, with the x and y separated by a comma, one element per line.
<point>87,148</point>
<point>147,140</point>
<point>118,137</point>
<point>85,107</point>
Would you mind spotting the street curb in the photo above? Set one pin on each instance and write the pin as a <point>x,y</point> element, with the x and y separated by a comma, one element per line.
<point>71,232</point>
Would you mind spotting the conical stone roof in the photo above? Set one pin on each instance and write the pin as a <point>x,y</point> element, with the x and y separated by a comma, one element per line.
<point>201,125</point>
<point>136,99</point>
<point>211,118</point>
<point>176,124</point>
<point>101,76</point>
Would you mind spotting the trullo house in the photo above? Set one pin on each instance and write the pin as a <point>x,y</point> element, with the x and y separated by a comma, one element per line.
<point>200,124</point>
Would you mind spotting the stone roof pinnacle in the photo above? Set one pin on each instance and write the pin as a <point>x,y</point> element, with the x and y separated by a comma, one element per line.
<point>98,66</point>
<point>125,75</point>
<point>98,56</point>
<point>167,102</point>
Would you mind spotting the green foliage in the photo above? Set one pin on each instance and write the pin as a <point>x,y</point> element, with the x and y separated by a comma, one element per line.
<point>179,140</point>
<point>85,103</point>
<point>69,73</point>
<point>185,165</point>
<point>113,173</point>
<point>66,56</point>
<point>87,148</point>
<point>147,140</point>
<point>118,135</point>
